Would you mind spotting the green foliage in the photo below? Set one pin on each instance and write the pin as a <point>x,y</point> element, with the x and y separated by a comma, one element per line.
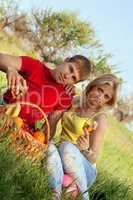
<point>51,35</point>
<point>39,124</point>
<point>8,13</point>
<point>101,64</point>
<point>56,34</point>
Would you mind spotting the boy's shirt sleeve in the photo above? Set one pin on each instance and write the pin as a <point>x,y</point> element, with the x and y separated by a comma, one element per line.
<point>29,65</point>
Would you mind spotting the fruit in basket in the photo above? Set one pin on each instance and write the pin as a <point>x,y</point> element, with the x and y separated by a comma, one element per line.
<point>26,127</point>
<point>13,110</point>
<point>38,135</point>
<point>19,122</point>
<point>13,134</point>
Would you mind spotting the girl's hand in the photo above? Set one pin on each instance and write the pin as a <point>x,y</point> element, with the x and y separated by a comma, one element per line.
<point>83,141</point>
<point>16,83</point>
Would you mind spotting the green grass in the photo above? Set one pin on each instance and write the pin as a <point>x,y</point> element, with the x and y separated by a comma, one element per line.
<point>115,180</point>
<point>20,180</point>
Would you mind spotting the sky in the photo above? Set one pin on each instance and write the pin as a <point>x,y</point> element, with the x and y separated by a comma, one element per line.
<point>113,22</point>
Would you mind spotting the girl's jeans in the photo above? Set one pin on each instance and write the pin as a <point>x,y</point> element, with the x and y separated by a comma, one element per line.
<point>67,158</point>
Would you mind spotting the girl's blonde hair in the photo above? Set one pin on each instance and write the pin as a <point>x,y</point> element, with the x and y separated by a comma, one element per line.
<point>105,79</point>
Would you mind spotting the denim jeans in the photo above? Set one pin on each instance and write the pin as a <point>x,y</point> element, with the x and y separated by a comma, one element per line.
<point>2,102</point>
<point>67,158</point>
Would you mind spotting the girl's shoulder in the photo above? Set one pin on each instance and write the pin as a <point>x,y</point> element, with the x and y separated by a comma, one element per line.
<point>100,115</point>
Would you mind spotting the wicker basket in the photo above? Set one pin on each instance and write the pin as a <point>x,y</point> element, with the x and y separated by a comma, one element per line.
<point>22,141</point>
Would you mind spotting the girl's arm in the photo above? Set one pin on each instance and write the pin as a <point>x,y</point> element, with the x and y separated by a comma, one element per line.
<point>95,140</point>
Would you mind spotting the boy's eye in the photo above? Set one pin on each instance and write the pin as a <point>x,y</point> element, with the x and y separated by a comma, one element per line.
<point>71,69</point>
<point>106,96</point>
<point>100,90</point>
<point>74,78</point>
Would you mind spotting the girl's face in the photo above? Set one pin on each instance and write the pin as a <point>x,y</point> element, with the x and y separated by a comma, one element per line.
<point>98,96</point>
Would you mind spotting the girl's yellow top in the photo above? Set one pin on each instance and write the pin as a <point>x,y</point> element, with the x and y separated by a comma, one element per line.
<point>70,127</point>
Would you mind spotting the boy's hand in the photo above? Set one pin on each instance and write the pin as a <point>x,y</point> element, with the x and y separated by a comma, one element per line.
<point>16,83</point>
<point>83,141</point>
<point>70,89</point>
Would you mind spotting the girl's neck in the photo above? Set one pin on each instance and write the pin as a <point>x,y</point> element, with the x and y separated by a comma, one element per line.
<point>85,112</point>
<point>82,110</point>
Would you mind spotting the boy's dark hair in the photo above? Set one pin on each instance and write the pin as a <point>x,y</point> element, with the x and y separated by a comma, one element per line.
<point>84,64</point>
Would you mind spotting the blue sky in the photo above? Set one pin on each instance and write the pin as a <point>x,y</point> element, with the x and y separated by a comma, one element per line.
<point>113,22</point>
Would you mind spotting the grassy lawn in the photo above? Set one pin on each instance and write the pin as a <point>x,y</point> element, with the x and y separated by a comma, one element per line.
<point>115,180</point>
<point>20,180</point>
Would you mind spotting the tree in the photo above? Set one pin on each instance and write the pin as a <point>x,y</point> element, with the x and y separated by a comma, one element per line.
<point>9,13</point>
<point>54,35</point>
<point>57,34</point>
<point>100,63</point>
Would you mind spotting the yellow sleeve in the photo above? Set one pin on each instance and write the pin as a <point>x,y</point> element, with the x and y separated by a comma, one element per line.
<point>58,130</point>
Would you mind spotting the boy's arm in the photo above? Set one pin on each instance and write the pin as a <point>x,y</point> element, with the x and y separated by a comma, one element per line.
<point>8,62</point>
<point>11,66</point>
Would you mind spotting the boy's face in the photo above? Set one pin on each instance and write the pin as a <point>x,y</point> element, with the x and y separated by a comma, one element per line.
<point>67,73</point>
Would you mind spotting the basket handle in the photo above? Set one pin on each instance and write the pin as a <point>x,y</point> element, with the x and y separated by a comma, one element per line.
<point>41,111</point>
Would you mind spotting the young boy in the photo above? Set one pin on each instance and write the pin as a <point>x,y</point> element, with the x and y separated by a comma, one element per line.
<point>30,80</point>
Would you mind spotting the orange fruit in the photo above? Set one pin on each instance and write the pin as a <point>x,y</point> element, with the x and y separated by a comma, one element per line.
<point>19,122</point>
<point>13,134</point>
<point>38,135</point>
<point>90,129</point>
